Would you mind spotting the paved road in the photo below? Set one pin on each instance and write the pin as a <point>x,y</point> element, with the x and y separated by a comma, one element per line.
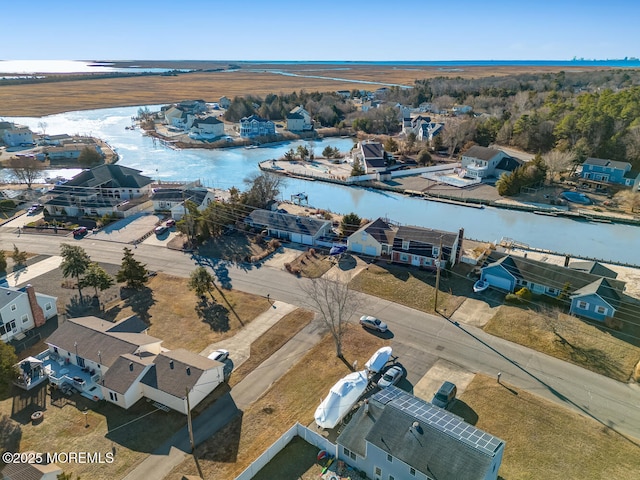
<point>418,337</point>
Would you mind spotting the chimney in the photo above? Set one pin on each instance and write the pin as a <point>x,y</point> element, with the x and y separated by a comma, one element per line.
<point>566,260</point>
<point>36,310</point>
<point>459,248</point>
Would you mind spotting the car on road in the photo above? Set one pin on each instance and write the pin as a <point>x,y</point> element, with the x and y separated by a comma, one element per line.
<point>80,231</point>
<point>445,396</point>
<point>36,207</point>
<point>159,230</point>
<point>391,376</point>
<point>219,355</point>
<point>373,323</point>
<point>170,223</point>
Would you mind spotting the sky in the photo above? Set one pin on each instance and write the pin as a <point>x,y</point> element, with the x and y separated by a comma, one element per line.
<point>346,30</point>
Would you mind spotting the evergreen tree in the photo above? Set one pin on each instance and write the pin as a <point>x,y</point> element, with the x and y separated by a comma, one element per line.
<point>132,271</point>
<point>75,262</point>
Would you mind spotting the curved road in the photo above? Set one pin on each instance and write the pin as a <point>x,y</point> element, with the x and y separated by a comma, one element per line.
<point>419,337</point>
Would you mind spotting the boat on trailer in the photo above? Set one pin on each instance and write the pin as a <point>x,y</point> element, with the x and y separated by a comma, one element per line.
<point>480,286</point>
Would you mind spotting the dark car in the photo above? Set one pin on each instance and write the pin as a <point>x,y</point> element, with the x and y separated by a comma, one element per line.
<point>445,396</point>
<point>80,232</point>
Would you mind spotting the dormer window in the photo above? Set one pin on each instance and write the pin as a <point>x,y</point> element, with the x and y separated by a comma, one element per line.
<point>405,244</point>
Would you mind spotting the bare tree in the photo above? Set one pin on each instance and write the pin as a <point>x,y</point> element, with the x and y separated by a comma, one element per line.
<point>629,199</point>
<point>43,126</point>
<point>26,170</point>
<point>335,302</point>
<point>557,162</point>
<point>457,132</point>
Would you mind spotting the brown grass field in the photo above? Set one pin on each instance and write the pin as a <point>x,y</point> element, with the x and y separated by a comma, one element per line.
<point>46,98</point>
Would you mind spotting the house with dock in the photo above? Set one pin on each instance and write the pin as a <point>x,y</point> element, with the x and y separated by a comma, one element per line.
<point>294,228</point>
<point>598,173</point>
<point>484,162</point>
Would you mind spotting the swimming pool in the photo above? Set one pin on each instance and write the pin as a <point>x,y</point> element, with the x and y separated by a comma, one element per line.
<point>577,197</point>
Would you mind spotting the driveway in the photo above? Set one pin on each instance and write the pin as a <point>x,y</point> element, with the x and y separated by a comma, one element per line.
<point>440,372</point>
<point>475,312</point>
<point>129,229</point>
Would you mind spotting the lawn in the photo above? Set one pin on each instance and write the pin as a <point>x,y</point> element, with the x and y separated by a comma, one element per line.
<point>567,338</point>
<point>183,320</point>
<point>545,440</point>
<point>294,397</point>
<point>409,286</point>
<point>310,264</point>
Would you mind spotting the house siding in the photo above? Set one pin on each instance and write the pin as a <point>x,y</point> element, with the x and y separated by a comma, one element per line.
<point>499,272</point>
<point>362,242</point>
<point>591,309</point>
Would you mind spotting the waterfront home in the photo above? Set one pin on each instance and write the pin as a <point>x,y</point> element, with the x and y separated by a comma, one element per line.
<point>422,247</point>
<point>206,128</point>
<point>255,126</point>
<point>17,136</point>
<point>69,151</point>
<point>588,295</point>
<point>599,172</point>
<point>23,309</point>
<point>483,162</point>
<point>303,230</point>
<point>173,199</point>
<point>395,435</point>
<point>461,109</point>
<point>299,120</point>
<point>122,364</point>
<point>371,156</point>
<point>179,118</point>
<point>374,239</point>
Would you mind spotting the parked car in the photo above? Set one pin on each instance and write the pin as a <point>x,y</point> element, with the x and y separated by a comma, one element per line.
<point>170,223</point>
<point>80,231</point>
<point>373,323</point>
<point>391,376</point>
<point>219,355</point>
<point>36,207</point>
<point>160,229</point>
<point>445,396</point>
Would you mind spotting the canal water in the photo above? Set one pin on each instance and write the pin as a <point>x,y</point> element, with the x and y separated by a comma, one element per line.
<point>229,167</point>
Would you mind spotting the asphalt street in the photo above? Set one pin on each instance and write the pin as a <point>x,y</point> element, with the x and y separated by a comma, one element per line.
<point>418,338</point>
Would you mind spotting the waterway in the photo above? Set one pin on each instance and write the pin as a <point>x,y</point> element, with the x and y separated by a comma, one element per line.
<point>229,167</point>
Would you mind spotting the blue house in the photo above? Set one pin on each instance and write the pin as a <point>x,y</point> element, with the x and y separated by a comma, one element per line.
<point>591,296</point>
<point>610,171</point>
<point>398,436</point>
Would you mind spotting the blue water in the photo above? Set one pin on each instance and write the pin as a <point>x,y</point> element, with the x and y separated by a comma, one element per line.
<point>229,167</point>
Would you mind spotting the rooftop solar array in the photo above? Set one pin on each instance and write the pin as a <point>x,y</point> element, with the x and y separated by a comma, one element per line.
<point>438,418</point>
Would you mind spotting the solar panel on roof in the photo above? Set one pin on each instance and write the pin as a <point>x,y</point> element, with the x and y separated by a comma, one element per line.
<point>439,419</point>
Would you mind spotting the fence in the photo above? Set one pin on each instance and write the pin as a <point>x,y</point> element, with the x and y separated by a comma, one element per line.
<point>296,430</point>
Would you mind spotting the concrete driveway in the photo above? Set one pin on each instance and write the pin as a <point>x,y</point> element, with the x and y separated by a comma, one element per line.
<point>475,312</point>
<point>440,372</point>
<point>129,229</point>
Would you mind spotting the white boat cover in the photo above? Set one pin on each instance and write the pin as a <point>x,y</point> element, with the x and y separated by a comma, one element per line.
<point>342,396</point>
<point>378,360</point>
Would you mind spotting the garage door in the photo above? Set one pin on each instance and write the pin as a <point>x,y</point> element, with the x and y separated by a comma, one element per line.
<point>307,239</point>
<point>369,250</point>
<point>498,282</point>
<point>356,247</point>
<point>296,237</point>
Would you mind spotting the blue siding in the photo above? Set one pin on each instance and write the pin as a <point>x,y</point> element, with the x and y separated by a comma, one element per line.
<point>590,311</point>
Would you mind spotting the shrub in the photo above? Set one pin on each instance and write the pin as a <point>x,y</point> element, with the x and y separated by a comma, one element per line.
<point>524,294</point>
<point>512,298</point>
<point>287,266</point>
<point>7,205</point>
<point>312,252</point>
<point>274,244</point>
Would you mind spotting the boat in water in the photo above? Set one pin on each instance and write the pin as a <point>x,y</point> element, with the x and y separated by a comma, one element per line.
<point>480,286</point>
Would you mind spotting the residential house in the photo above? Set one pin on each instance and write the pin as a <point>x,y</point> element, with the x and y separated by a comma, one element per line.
<point>592,267</point>
<point>481,162</point>
<point>224,102</point>
<point>69,151</point>
<point>601,171</point>
<point>372,156</point>
<point>17,136</point>
<point>56,140</point>
<point>173,199</point>
<point>304,230</point>
<point>422,247</point>
<point>299,120</point>
<point>375,239</point>
<point>461,109</point>
<point>344,93</point>
<point>206,128</point>
<point>122,364</point>
<point>426,131</point>
<point>30,471</point>
<point>97,191</point>
<point>255,126</point>
<point>195,107</point>
<point>590,296</point>
<point>395,435</point>
<point>23,309</point>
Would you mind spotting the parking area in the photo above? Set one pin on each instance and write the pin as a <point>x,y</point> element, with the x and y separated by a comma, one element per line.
<point>442,371</point>
<point>129,230</point>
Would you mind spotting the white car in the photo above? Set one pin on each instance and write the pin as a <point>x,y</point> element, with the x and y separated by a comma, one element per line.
<point>391,376</point>
<point>373,323</point>
<point>219,355</point>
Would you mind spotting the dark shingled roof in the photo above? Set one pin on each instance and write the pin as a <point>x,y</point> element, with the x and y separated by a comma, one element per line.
<point>28,471</point>
<point>176,371</point>
<point>196,195</point>
<point>207,120</point>
<point>381,231</point>
<point>509,164</point>
<point>422,240</point>
<point>294,116</point>
<point>254,117</point>
<point>8,295</point>
<point>602,288</point>
<point>372,150</point>
<point>601,162</point>
<point>285,222</point>
<point>593,267</point>
<point>428,448</point>
<point>125,371</point>
<point>481,153</point>
<point>110,176</point>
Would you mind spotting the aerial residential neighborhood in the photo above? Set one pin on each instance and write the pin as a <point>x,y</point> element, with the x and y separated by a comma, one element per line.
<point>281,269</point>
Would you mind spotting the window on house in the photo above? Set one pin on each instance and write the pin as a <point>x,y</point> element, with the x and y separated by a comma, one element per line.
<point>346,451</point>
<point>582,305</point>
<point>113,396</point>
<point>404,257</point>
<point>412,471</point>
<point>352,456</point>
<point>389,458</point>
<point>436,251</point>
<point>24,318</point>
<point>378,471</point>
<point>552,291</point>
<point>47,306</point>
<point>601,310</point>
<point>13,308</point>
<point>405,244</point>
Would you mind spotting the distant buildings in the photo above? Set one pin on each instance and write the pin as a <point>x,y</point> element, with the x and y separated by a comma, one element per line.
<point>255,126</point>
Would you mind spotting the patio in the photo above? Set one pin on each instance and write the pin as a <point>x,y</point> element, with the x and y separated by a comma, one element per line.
<point>64,375</point>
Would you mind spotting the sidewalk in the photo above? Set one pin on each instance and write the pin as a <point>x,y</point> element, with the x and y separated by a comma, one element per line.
<point>32,271</point>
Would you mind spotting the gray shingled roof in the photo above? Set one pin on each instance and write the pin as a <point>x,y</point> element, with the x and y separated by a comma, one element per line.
<point>372,150</point>
<point>381,231</point>
<point>427,449</point>
<point>8,295</point>
<point>110,176</point>
<point>125,371</point>
<point>207,121</point>
<point>601,162</point>
<point>73,335</point>
<point>285,222</point>
<point>481,153</point>
<point>602,288</point>
<point>196,195</point>
<point>593,267</point>
<point>422,240</point>
<point>176,371</point>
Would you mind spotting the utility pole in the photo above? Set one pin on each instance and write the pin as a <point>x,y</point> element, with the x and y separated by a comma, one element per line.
<point>190,427</point>
<point>435,303</point>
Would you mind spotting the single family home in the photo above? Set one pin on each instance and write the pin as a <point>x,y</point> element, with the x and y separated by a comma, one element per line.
<point>299,120</point>
<point>23,309</point>
<point>206,128</point>
<point>173,199</point>
<point>483,162</point>
<point>375,238</point>
<point>422,247</point>
<point>304,230</point>
<point>601,171</point>
<point>17,136</point>
<point>372,156</point>
<point>395,435</point>
<point>255,126</point>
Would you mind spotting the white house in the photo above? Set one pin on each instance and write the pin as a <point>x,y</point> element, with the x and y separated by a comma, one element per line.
<point>206,128</point>
<point>179,118</point>
<point>17,136</point>
<point>481,162</point>
<point>22,309</point>
<point>299,120</point>
<point>372,156</point>
<point>375,239</point>
<point>224,102</point>
<point>173,199</point>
